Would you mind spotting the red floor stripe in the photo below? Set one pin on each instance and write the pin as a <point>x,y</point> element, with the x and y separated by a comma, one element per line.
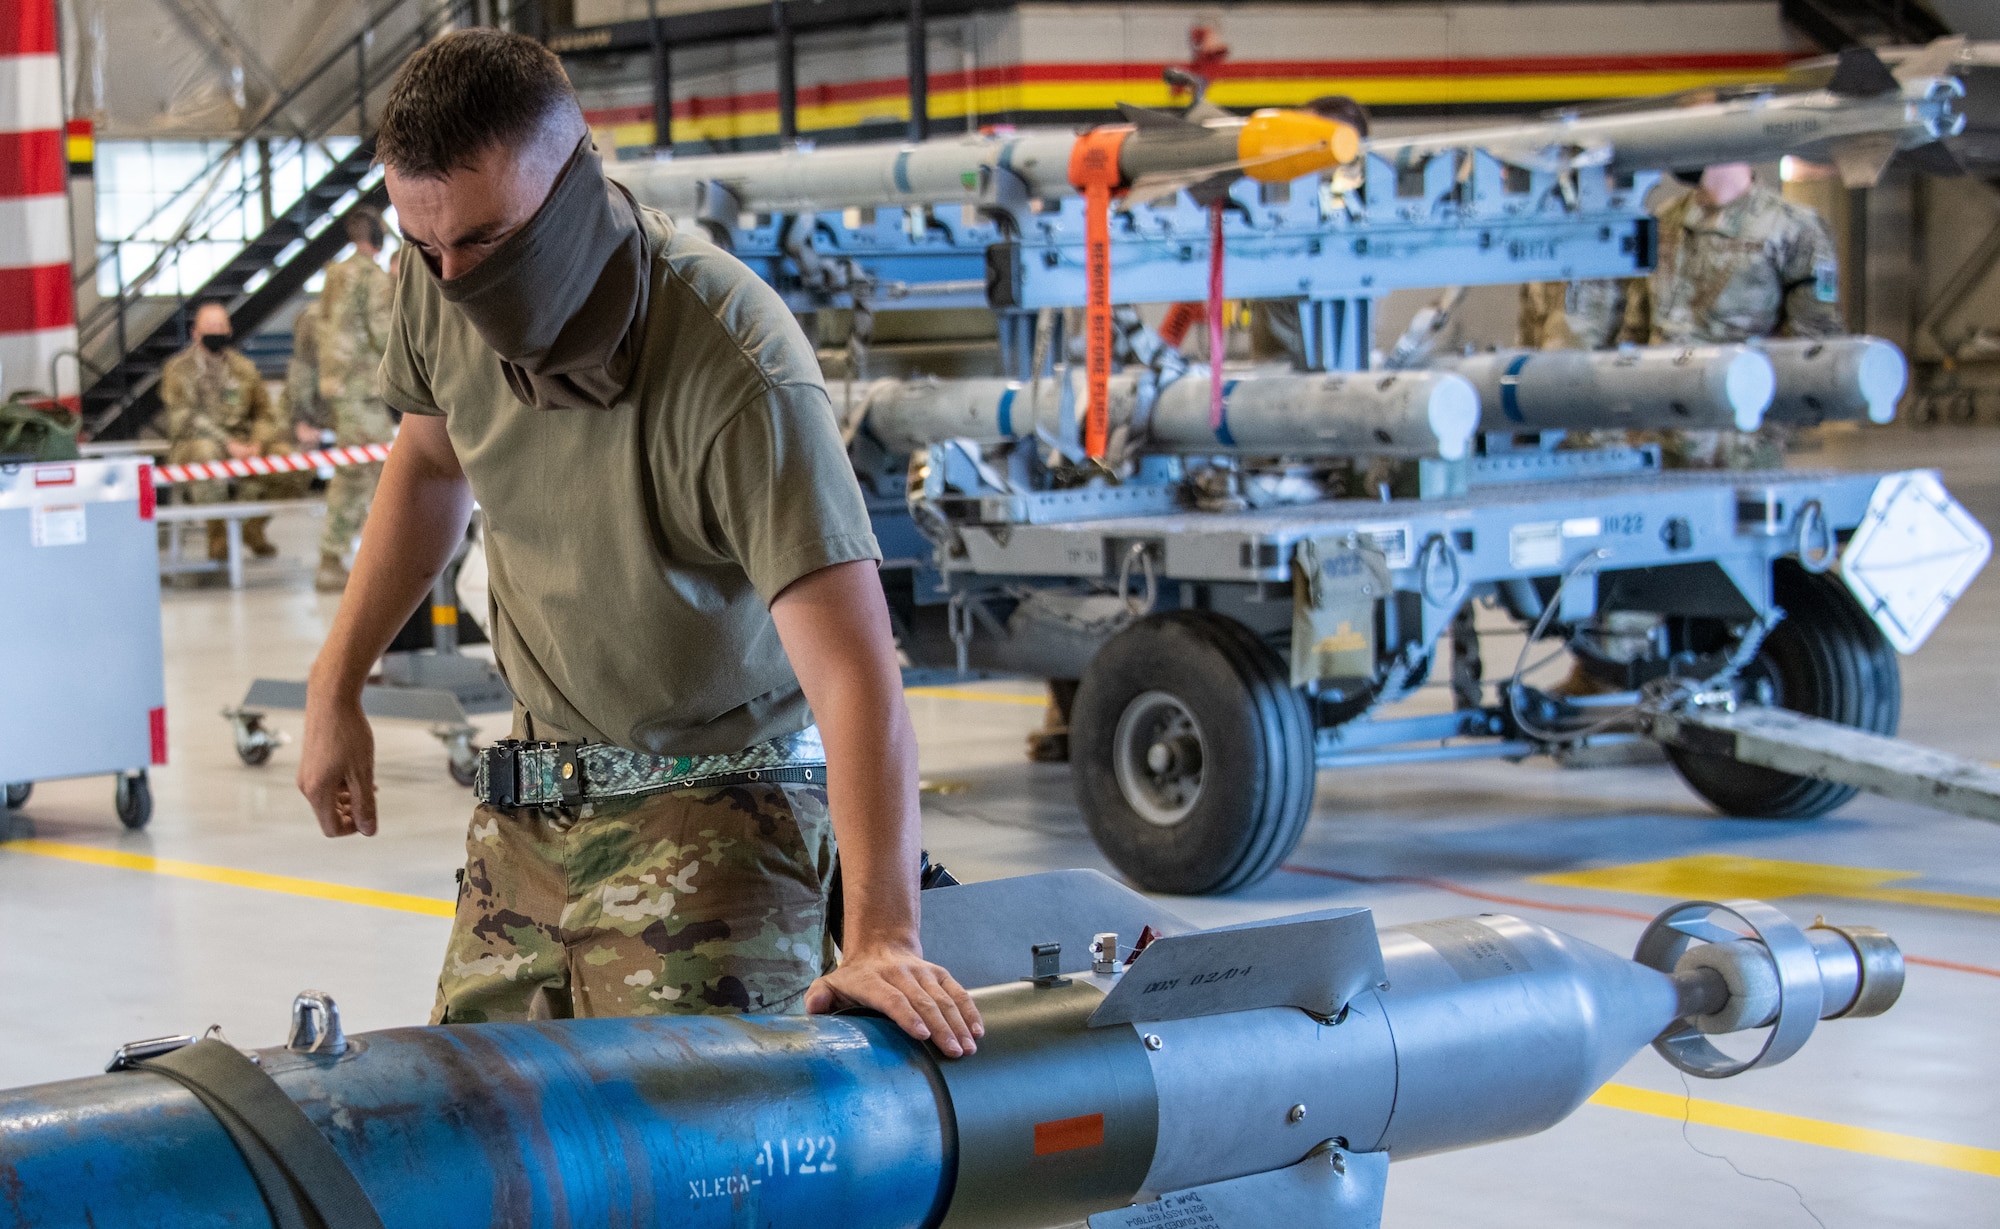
<point>1445,885</point>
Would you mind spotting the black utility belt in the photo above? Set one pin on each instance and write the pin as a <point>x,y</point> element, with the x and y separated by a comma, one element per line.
<point>520,773</point>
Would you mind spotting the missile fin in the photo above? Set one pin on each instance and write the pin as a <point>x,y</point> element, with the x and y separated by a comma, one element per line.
<point>1939,59</point>
<point>1934,158</point>
<point>982,932</point>
<point>1862,74</point>
<point>1331,1188</point>
<point>1862,159</point>
<point>1318,962</point>
<point>1156,123</point>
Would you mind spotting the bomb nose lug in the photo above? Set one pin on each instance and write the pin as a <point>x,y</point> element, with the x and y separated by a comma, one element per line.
<point>316,1025</point>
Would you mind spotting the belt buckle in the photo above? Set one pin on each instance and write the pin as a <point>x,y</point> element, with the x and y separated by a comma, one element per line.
<point>503,777</point>
<point>569,772</point>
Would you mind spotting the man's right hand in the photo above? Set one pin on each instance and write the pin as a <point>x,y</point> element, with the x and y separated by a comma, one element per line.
<point>337,768</point>
<point>416,521</point>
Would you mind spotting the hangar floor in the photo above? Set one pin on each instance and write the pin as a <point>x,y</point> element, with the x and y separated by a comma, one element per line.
<point>231,902</point>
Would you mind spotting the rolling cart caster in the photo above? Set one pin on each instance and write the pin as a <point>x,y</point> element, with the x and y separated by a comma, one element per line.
<point>254,743</point>
<point>135,800</point>
<point>17,794</point>
<point>461,756</point>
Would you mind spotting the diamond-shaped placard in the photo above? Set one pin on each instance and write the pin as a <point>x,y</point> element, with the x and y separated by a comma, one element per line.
<point>1914,552</point>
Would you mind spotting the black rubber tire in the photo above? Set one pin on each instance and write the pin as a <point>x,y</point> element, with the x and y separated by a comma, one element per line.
<point>134,798</point>
<point>1826,659</point>
<point>256,755</point>
<point>463,776</point>
<point>18,793</point>
<point>1255,785</point>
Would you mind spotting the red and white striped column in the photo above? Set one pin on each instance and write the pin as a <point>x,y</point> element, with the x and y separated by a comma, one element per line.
<point>37,297</point>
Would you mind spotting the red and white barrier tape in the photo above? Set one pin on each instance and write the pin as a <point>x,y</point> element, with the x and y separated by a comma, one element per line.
<point>202,471</point>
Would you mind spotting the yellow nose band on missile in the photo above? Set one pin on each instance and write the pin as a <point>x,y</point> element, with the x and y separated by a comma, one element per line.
<point>1275,145</point>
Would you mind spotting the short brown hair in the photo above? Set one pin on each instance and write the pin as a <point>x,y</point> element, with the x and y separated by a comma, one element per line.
<point>364,225</point>
<point>468,92</point>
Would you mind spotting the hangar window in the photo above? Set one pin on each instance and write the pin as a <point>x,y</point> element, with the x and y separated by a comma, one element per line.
<point>170,213</point>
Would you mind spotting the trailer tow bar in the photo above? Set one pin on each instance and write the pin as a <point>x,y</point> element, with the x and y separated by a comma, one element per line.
<point>1804,746</point>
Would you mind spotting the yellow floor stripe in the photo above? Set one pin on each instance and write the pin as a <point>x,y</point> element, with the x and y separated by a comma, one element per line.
<point>1966,1159</point>
<point>318,890</point>
<point>1722,876</point>
<point>987,697</point>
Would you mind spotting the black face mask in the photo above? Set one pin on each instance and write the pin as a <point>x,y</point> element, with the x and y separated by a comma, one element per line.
<point>562,300</point>
<point>216,342</point>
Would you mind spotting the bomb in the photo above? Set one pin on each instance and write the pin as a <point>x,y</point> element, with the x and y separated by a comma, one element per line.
<point>1259,1074</point>
<point>1397,414</point>
<point>1645,387</point>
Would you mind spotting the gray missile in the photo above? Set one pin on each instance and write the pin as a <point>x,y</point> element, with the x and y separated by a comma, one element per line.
<point>1396,414</point>
<point>965,170</point>
<point>1644,387</point>
<point>1859,122</point>
<point>1256,1075</point>
<point>1835,379</point>
<point>1158,152</point>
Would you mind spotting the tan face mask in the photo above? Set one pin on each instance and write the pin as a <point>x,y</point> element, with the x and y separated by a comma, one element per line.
<point>562,299</point>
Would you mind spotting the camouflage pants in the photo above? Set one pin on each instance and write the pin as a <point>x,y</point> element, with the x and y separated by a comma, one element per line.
<point>686,902</point>
<point>189,451</point>
<point>347,498</point>
<point>352,488</point>
<point>1760,449</point>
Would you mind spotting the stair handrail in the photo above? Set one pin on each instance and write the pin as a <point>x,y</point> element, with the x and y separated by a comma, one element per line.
<point>370,75</point>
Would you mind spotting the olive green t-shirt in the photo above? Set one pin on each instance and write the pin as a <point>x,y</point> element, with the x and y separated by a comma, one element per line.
<point>633,552</point>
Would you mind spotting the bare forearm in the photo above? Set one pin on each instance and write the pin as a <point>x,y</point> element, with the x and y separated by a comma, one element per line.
<point>871,756</point>
<point>835,625</point>
<point>415,522</point>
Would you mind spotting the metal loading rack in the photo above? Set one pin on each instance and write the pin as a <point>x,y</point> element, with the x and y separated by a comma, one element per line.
<point>1226,637</point>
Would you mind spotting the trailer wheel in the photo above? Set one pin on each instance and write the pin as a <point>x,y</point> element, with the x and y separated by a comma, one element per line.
<point>1192,755</point>
<point>1826,659</point>
<point>17,794</point>
<point>135,800</point>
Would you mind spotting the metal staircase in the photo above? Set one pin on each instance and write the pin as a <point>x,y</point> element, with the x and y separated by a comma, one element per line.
<point>121,394</point>
<point>269,270</point>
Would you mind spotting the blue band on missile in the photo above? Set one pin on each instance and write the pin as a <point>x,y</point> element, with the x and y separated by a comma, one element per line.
<point>1510,400</point>
<point>1222,434</point>
<point>903,171</point>
<point>1007,412</point>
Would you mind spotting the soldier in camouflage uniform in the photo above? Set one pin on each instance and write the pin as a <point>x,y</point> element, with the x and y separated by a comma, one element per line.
<point>218,409</point>
<point>353,330</point>
<point>302,402</point>
<point>1584,315</point>
<point>1737,261</point>
<point>682,590</point>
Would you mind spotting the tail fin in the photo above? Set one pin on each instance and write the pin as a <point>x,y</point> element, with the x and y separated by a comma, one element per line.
<point>1862,74</point>
<point>1939,59</point>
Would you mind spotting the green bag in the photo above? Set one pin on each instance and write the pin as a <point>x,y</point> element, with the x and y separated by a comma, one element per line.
<point>33,428</point>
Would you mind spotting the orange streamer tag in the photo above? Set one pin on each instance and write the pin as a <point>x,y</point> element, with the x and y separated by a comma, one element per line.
<point>1093,169</point>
